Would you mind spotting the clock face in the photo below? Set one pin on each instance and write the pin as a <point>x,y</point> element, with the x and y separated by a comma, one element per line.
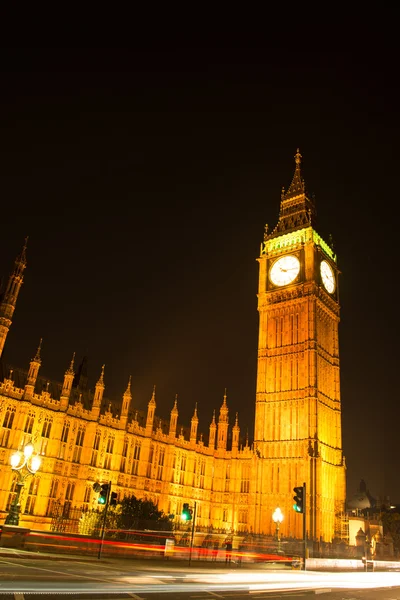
<point>284,270</point>
<point>328,276</point>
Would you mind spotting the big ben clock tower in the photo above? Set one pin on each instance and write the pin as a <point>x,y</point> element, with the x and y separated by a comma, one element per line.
<point>298,434</point>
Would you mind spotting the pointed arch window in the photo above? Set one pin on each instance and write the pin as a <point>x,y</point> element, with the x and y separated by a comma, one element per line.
<point>52,497</point>
<point>46,429</point>
<point>13,492</point>
<point>7,426</point>
<point>150,461</point>
<point>182,470</point>
<point>32,495</point>
<point>136,457</point>
<point>69,495</point>
<point>64,439</point>
<point>245,481</point>
<point>202,473</point>
<point>80,436</point>
<point>109,452</point>
<point>95,450</point>
<point>227,477</point>
<point>125,447</point>
<point>65,432</point>
<point>30,419</point>
<point>160,466</point>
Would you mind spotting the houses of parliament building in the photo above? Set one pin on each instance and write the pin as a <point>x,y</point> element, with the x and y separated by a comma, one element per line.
<point>236,488</point>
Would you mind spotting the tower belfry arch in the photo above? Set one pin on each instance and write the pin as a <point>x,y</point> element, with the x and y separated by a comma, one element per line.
<point>297,433</point>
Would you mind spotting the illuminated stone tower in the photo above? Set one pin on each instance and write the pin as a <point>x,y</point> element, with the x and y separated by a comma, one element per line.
<point>297,435</point>
<point>9,299</point>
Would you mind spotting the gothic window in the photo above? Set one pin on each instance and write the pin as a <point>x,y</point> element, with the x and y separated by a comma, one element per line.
<point>86,498</point>
<point>64,439</point>
<point>46,429</point>
<point>123,457</point>
<point>193,474</point>
<point>52,497</point>
<point>182,470</point>
<point>65,432</point>
<point>9,418</point>
<point>150,461</point>
<point>78,445</point>
<point>242,519</point>
<point>225,515</point>
<point>109,452</point>
<point>160,466</point>
<point>32,495</point>
<point>136,458</point>
<point>202,473</point>
<point>173,468</point>
<point>95,451</point>
<point>30,419</point>
<point>110,445</point>
<point>12,494</point>
<point>245,481</point>
<point>7,425</point>
<point>43,446</point>
<point>227,477</point>
<point>69,495</point>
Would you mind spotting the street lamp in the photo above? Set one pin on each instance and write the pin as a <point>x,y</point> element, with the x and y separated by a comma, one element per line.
<point>25,463</point>
<point>277,518</point>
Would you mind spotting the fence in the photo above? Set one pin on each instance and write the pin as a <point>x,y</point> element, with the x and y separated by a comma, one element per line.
<point>65,518</point>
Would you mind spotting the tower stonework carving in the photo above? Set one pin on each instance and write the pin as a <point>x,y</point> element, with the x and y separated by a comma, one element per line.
<point>297,433</point>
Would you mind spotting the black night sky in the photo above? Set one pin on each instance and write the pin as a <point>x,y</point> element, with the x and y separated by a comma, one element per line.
<point>144,178</point>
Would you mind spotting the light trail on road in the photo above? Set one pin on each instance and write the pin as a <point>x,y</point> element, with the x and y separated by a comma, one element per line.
<point>70,580</point>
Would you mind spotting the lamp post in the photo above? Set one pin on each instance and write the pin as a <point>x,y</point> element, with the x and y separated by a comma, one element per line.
<point>277,518</point>
<point>24,463</point>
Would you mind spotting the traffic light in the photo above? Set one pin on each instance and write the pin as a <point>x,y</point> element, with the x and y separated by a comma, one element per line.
<point>186,514</point>
<point>102,499</point>
<point>113,498</point>
<point>299,499</point>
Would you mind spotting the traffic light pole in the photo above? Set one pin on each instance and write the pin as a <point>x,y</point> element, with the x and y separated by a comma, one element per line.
<point>192,536</point>
<point>305,524</point>
<point>103,529</point>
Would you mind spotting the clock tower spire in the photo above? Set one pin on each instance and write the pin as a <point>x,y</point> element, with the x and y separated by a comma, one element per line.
<point>298,435</point>
<point>297,208</point>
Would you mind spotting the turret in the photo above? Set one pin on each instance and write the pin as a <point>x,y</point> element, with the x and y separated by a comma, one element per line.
<point>213,430</point>
<point>67,385</point>
<point>194,425</point>
<point>98,394</point>
<point>126,402</point>
<point>151,410</point>
<point>223,425</point>
<point>33,373</point>
<point>173,422</point>
<point>235,436</point>
<point>8,300</point>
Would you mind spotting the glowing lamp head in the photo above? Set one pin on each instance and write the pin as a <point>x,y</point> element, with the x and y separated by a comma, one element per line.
<point>16,459</point>
<point>28,451</point>
<point>35,463</point>
<point>277,516</point>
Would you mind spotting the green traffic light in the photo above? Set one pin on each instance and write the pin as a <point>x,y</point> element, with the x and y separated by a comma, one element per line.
<point>186,514</point>
<point>101,500</point>
<point>296,508</point>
